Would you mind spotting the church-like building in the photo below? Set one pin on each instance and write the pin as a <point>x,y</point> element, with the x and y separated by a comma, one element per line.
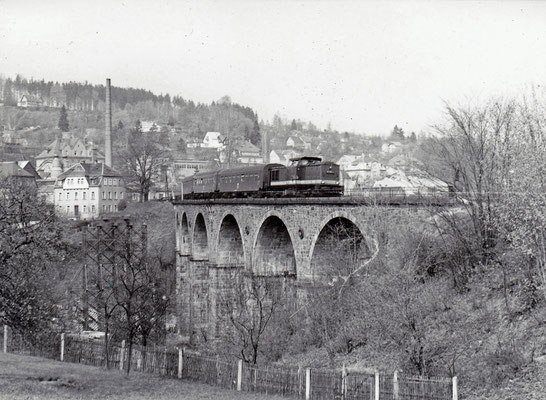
<point>69,150</point>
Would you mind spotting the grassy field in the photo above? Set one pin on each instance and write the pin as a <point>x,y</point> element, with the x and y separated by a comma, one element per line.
<point>33,378</point>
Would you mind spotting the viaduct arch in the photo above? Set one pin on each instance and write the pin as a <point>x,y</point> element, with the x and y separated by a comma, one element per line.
<point>292,240</point>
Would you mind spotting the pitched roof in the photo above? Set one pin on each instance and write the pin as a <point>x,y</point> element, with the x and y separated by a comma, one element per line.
<point>56,148</point>
<point>11,169</point>
<point>89,170</point>
<point>245,146</point>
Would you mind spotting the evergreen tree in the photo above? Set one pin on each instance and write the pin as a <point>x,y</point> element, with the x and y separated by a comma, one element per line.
<point>293,125</point>
<point>63,120</point>
<point>397,133</point>
<point>255,137</point>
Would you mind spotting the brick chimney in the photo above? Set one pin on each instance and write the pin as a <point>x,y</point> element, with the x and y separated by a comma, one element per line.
<point>108,132</point>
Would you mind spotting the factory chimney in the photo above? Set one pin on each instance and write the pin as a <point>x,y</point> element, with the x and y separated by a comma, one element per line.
<point>108,133</point>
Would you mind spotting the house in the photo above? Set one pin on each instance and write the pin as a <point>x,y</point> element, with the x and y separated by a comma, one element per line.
<point>184,167</point>
<point>193,143</point>
<point>70,150</point>
<point>149,126</point>
<point>10,170</point>
<point>87,190</point>
<point>30,101</point>
<point>412,183</point>
<point>346,160</point>
<point>245,152</point>
<point>390,147</point>
<point>13,137</point>
<point>362,174</point>
<point>213,140</point>
<point>283,156</point>
<point>296,142</point>
<point>405,162</point>
<point>27,166</point>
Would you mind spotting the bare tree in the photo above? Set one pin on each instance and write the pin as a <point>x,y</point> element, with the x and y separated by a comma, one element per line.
<point>256,302</point>
<point>142,160</point>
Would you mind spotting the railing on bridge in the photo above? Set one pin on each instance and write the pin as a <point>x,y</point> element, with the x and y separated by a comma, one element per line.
<point>371,196</point>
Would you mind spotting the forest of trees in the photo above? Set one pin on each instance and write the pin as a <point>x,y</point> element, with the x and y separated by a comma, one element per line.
<point>86,105</point>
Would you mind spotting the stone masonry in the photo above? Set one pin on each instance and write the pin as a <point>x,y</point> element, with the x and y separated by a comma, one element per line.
<point>263,237</point>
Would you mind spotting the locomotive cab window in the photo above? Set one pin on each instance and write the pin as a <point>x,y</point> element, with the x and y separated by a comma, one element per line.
<point>275,175</point>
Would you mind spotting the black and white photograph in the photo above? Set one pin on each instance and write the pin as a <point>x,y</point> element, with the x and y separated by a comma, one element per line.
<point>273,199</point>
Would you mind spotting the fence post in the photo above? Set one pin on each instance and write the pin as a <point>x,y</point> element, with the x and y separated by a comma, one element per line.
<point>395,386</point>
<point>455,391</point>
<point>376,385</point>
<point>239,375</point>
<point>62,346</point>
<point>180,362</point>
<point>307,383</point>
<point>5,338</point>
<point>343,382</point>
<point>218,369</point>
<point>121,354</point>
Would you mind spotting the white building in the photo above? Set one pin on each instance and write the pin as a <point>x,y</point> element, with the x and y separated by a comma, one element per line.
<point>88,190</point>
<point>416,182</point>
<point>213,140</point>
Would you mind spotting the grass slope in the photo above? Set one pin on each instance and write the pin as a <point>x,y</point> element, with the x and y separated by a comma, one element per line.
<point>32,378</point>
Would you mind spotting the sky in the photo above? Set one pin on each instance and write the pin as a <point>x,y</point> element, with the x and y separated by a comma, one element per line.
<point>361,66</point>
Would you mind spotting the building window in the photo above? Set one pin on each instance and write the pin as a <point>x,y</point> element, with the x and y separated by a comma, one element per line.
<point>60,196</point>
<point>84,209</point>
<point>104,195</point>
<point>109,195</point>
<point>109,208</point>
<point>84,195</point>
<point>115,207</point>
<point>121,195</point>
<point>92,195</point>
<point>93,209</point>
<point>68,195</point>
<point>75,195</point>
<point>68,209</point>
<point>103,208</point>
<point>115,195</point>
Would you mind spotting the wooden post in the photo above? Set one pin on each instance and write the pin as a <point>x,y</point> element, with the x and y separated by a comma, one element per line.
<point>62,346</point>
<point>5,338</point>
<point>121,355</point>
<point>376,385</point>
<point>343,382</point>
<point>239,375</point>
<point>395,386</point>
<point>218,377</point>
<point>455,389</point>
<point>180,362</point>
<point>299,380</point>
<point>308,384</point>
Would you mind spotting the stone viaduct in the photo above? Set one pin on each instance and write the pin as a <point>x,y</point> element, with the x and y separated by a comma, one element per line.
<point>285,238</point>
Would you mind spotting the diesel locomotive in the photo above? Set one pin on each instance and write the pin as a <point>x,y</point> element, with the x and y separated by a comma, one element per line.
<point>303,177</point>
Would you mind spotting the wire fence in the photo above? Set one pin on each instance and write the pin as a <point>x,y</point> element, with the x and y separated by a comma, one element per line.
<point>297,382</point>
